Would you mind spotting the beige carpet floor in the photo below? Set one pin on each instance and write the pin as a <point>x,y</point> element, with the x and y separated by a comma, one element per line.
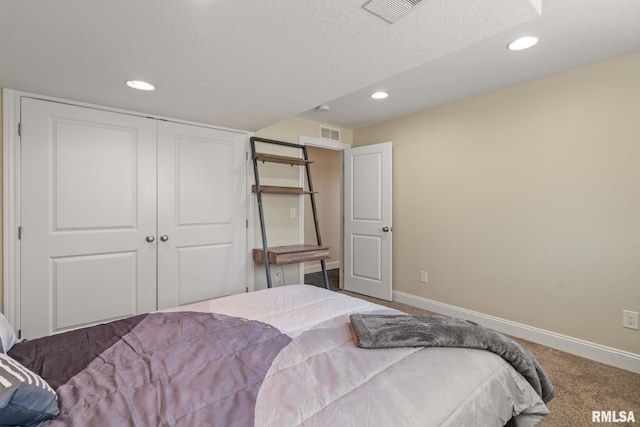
<point>582,385</point>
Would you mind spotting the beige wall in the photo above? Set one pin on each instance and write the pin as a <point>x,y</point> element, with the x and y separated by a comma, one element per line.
<point>524,203</point>
<point>281,229</point>
<point>325,172</point>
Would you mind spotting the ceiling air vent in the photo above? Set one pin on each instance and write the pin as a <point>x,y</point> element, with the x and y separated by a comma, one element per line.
<point>391,10</point>
<point>329,133</point>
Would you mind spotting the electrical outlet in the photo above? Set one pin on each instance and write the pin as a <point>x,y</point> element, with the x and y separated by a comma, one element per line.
<point>424,277</point>
<point>630,319</point>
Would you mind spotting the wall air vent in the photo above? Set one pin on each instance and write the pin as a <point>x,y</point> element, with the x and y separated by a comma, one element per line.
<point>392,10</point>
<point>329,133</point>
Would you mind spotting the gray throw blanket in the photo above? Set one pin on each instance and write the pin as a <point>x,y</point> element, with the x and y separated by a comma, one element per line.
<point>385,331</point>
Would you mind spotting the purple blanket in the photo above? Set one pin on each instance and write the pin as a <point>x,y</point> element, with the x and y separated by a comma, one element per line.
<point>158,369</point>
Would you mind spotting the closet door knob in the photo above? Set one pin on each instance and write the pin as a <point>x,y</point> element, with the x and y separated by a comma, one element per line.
<point>385,229</point>
<point>164,237</point>
<point>150,239</point>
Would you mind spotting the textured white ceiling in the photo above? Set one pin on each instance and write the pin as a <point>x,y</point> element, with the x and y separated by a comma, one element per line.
<point>572,33</point>
<point>248,64</point>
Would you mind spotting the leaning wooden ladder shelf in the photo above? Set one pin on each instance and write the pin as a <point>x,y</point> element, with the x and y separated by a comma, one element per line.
<point>281,255</point>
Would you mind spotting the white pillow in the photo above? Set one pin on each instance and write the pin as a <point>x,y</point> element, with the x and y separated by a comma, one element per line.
<point>7,335</point>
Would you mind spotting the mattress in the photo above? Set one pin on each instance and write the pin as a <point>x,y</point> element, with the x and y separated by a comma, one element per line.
<point>284,356</point>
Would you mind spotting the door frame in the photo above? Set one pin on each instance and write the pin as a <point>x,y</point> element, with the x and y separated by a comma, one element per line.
<point>329,145</point>
<point>11,104</point>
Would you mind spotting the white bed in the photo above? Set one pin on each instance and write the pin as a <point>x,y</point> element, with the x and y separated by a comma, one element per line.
<point>323,379</point>
<point>279,357</point>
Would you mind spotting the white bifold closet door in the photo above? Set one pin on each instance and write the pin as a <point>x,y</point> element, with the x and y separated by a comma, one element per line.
<point>123,215</point>
<point>201,214</point>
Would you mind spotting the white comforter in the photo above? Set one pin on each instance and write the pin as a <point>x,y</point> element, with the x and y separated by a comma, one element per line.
<point>323,379</point>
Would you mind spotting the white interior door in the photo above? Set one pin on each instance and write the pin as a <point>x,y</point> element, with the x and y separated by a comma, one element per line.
<point>368,220</point>
<point>88,203</point>
<point>201,213</point>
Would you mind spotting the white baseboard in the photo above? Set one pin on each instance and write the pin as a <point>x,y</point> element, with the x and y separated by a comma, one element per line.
<point>599,353</point>
<point>314,267</point>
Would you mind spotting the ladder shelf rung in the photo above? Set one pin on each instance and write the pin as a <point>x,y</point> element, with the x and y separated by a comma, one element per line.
<point>275,189</point>
<point>274,158</point>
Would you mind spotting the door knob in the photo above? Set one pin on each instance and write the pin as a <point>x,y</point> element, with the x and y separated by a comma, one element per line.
<point>385,229</point>
<point>150,239</point>
<point>164,237</point>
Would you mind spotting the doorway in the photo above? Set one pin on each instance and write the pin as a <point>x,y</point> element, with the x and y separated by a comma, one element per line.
<point>327,181</point>
<point>326,168</point>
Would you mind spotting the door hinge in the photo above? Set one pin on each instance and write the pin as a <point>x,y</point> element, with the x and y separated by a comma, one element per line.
<point>19,333</point>
<point>20,233</point>
<point>20,129</point>
<point>246,289</point>
<point>246,223</point>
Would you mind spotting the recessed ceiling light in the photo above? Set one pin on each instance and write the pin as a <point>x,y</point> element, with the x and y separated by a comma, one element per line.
<point>379,95</point>
<point>523,43</point>
<point>140,85</point>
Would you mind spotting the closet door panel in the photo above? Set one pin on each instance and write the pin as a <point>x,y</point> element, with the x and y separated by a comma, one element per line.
<point>94,163</point>
<point>112,294</point>
<point>88,202</point>
<point>197,265</point>
<point>201,213</point>
<point>204,171</point>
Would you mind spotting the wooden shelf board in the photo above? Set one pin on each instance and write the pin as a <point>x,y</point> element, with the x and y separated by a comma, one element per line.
<point>274,158</point>
<point>273,189</point>
<point>282,255</point>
